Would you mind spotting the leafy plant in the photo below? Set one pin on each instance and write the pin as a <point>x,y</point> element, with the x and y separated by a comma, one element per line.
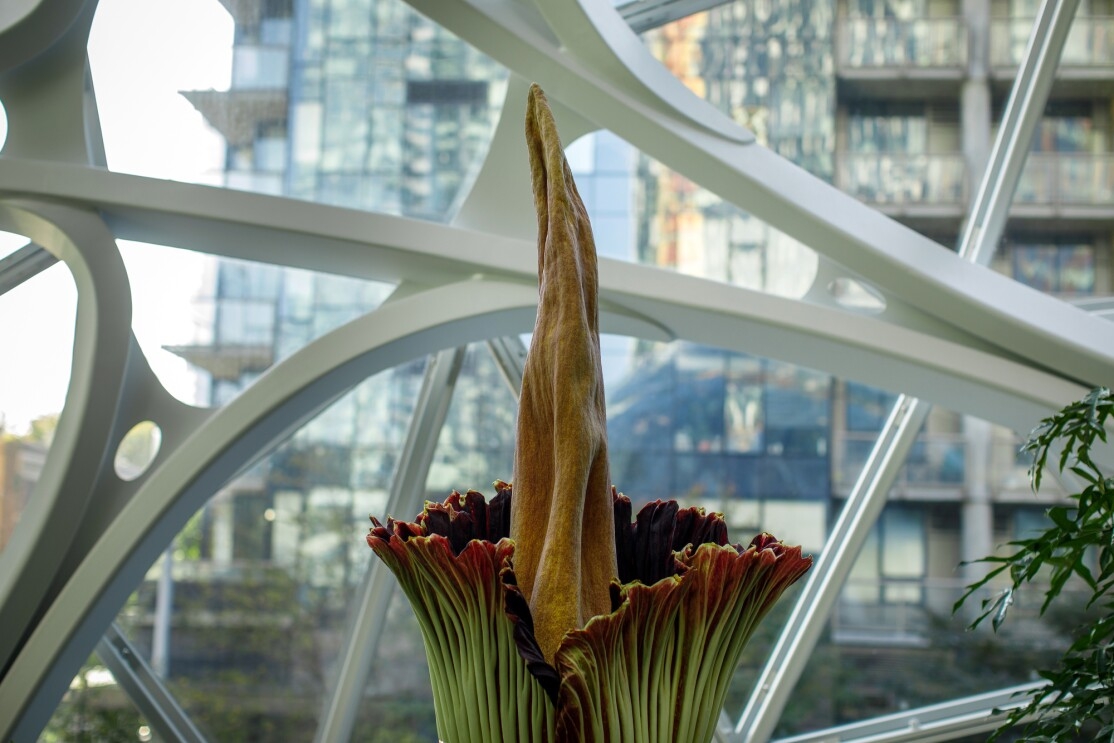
<point>1079,543</point>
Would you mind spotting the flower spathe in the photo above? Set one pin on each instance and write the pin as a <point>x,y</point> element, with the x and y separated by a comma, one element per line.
<point>656,667</point>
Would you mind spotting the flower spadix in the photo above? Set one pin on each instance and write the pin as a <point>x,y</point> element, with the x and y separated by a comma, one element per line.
<point>548,614</point>
<point>562,523</point>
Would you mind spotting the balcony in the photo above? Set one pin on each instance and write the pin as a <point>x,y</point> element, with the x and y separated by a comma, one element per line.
<point>935,468</point>
<point>1070,185</point>
<point>1090,43</point>
<point>260,67</point>
<point>267,182</point>
<point>237,113</point>
<point>1087,65</point>
<point>917,612</point>
<point>906,185</point>
<point>895,58</point>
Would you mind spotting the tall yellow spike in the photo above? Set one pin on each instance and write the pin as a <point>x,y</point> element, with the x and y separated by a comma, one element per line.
<point>562,520</point>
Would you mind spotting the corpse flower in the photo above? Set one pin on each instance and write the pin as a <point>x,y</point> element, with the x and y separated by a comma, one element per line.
<point>550,615</point>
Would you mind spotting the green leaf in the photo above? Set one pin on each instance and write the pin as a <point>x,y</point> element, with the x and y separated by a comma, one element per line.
<point>1080,540</point>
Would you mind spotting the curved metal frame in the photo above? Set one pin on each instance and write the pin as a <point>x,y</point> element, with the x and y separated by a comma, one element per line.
<point>951,332</point>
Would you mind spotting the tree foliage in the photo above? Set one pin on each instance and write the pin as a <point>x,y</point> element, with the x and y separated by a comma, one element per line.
<point>1078,543</point>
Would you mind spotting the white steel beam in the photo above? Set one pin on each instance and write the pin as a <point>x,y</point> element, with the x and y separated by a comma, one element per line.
<point>949,720</point>
<point>23,264</point>
<point>146,690</point>
<point>33,560</point>
<point>926,357</point>
<point>373,597</point>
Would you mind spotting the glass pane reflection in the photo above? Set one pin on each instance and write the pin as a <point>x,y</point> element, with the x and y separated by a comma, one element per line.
<point>95,708</point>
<point>767,65</point>
<point>249,316</point>
<point>398,702</point>
<point>476,444</point>
<point>714,428</point>
<point>262,577</point>
<point>33,383</point>
<point>643,211</point>
<point>892,641</point>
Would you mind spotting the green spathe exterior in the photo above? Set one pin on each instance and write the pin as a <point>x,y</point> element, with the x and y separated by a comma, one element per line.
<point>655,668</point>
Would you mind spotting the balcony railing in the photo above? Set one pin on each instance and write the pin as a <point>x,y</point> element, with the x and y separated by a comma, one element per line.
<point>260,67</point>
<point>1090,42</point>
<point>935,462</point>
<point>1067,179</point>
<point>901,178</point>
<point>910,611</point>
<point>256,181</point>
<point>924,43</point>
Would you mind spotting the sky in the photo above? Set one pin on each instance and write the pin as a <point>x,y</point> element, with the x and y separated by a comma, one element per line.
<point>142,52</point>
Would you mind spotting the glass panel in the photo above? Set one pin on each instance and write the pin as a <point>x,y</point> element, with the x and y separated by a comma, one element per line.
<point>769,66</point>
<point>901,153</point>
<point>356,105</point>
<point>262,576</point>
<point>475,447</point>
<point>36,335</point>
<point>938,459</point>
<point>718,429</point>
<point>1056,264</point>
<point>3,126</point>
<point>881,42</point>
<point>245,316</point>
<point>1088,44</point>
<point>893,643</point>
<point>166,284</point>
<point>643,211</point>
<point>95,708</point>
<point>10,242</point>
<point>398,702</point>
<point>149,128</point>
<point>476,444</point>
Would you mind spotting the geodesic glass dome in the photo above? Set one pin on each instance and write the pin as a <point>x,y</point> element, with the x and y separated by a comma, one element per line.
<point>268,266</point>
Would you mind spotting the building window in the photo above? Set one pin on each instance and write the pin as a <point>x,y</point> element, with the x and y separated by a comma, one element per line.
<point>892,565</point>
<point>1065,268</point>
<point>867,407</point>
<point>447,92</point>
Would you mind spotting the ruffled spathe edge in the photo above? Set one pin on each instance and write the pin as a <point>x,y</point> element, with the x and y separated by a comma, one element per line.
<point>656,667</point>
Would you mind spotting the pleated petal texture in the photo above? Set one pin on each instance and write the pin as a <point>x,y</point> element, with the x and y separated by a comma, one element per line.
<point>655,668</point>
<point>658,667</point>
<point>483,689</point>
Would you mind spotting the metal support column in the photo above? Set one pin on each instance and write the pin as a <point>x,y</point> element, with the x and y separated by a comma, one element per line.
<point>868,497</point>
<point>936,722</point>
<point>1024,110</point>
<point>23,264</point>
<point>510,357</point>
<point>145,689</point>
<point>819,595</point>
<point>374,595</point>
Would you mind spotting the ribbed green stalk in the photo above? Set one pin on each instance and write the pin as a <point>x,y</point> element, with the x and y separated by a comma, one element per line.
<point>657,668</point>
<point>482,690</point>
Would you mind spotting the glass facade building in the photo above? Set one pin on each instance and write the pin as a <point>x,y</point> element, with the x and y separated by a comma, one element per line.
<point>368,106</point>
